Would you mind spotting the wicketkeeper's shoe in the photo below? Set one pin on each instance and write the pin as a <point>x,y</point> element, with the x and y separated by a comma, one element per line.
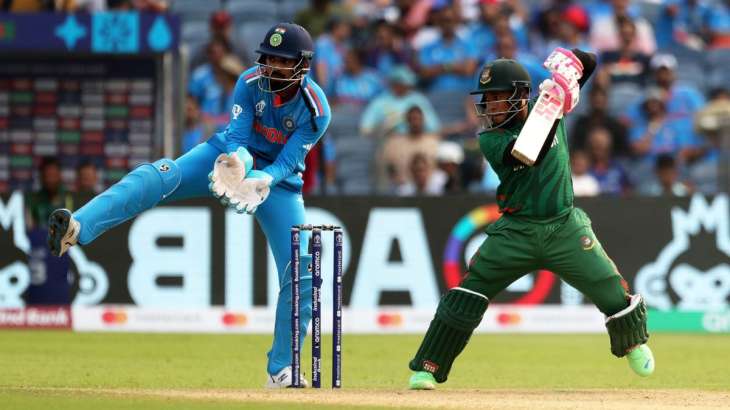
<point>282,379</point>
<point>63,231</point>
<point>641,360</point>
<point>422,381</point>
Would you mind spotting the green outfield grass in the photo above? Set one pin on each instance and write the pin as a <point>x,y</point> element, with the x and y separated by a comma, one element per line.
<point>60,370</point>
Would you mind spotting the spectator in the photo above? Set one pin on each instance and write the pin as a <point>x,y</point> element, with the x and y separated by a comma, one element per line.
<point>659,133</point>
<point>566,27</point>
<point>626,65</point>
<point>194,132</point>
<point>329,53</point>
<point>221,28</point>
<point>318,15</point>
<point>611,176</point>
<point>667,179</point>
<point>386,114</point>
<point>598,117</point>
<point>584,184</point>
<point>87,182</point>
<point>389,49</point>
<point>357,85</point>
<point>424,180</point>
<point>496,15</point>
<point>449,158</point>
<point>507,48</point>
<point>51,196</point>
<point>210,84</point>
<point>36,6</point>
<point>713,122</point>
<point>605,31</point>
<point>684,22</point>
<point>449,62</point>
<point>681,100</point>
<point>399,149</point>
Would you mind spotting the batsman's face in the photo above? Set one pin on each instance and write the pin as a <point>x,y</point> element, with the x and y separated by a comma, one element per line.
<point>497,105</point>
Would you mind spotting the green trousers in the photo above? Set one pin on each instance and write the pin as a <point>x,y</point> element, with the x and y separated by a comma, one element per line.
<point>564,245</point>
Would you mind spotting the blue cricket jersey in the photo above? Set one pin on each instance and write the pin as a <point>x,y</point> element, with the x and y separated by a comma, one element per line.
<point>277,135</point>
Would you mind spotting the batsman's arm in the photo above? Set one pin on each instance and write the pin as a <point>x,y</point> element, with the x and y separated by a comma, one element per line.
<point>239,128</point>
<point>589,65</point>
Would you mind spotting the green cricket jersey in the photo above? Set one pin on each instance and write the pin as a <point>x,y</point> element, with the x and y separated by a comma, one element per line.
<point>541,191</point>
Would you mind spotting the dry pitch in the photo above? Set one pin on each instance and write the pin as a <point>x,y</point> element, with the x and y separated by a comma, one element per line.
<point>44,370</point>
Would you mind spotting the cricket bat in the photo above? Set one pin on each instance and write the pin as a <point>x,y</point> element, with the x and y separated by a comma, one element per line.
<point>536,129</point>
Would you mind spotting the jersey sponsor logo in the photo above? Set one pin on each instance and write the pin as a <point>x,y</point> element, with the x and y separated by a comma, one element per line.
<point>260,108</point>
<point>236,111</point>
<point>272,135</point>
<point>164,168</point>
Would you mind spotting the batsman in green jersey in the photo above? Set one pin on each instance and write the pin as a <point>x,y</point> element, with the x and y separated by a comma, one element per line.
<point>539,228</point>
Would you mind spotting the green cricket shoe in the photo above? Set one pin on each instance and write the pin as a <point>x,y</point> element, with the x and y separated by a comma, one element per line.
<point>422,381</point>
<point>641,361</point>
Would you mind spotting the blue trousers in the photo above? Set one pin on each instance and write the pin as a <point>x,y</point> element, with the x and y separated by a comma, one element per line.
<point>187,177</point>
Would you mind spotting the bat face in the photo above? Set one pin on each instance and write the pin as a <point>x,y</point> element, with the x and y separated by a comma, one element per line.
<point>536,129</point>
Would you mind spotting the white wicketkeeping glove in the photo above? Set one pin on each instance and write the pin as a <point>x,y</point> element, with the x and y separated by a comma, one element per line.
<point>251,192</point>
<point>228,172</point>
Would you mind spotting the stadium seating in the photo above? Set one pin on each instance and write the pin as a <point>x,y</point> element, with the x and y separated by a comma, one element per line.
<point>253,10</point>
<point>195,9</point>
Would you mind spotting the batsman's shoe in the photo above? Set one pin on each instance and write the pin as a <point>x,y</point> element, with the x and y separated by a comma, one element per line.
<point>63,231</point>
<point>282,380</point>
<point>641,360</point>
<point>422,381</point>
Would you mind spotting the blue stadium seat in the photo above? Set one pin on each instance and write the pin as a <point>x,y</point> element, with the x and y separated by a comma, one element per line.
<point>449,105</point>
<point>691,74</point>
<point>622,96</point>
<point>718,68</point>
<point>252,32</point>
<point>195,9</point>
<point>289,8</point>
<point>345,121</point>
<point>355,166</point>
<point>252,10</point>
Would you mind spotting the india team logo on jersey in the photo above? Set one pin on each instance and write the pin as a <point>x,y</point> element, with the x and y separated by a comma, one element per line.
<point>236,111</point>
<point>288,123</point>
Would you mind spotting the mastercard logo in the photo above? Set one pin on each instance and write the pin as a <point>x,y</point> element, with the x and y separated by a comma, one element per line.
<point>114,317</point>
<point>390,319</point>
<point>509,319</point>
<point>234,319</point>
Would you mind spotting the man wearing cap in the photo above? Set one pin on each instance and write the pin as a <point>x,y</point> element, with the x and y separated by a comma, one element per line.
<point>254,166</point>
<point>682,100</point>
<point>387,113</point>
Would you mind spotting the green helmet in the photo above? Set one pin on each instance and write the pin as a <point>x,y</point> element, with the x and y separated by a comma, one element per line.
<point>502,75</point>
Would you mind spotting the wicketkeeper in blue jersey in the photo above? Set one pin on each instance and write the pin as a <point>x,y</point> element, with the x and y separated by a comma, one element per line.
<point>254,166</point>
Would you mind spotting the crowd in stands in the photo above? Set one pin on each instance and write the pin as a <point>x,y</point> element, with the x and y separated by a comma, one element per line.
<point>652,120</point>
<point>398,73</point>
